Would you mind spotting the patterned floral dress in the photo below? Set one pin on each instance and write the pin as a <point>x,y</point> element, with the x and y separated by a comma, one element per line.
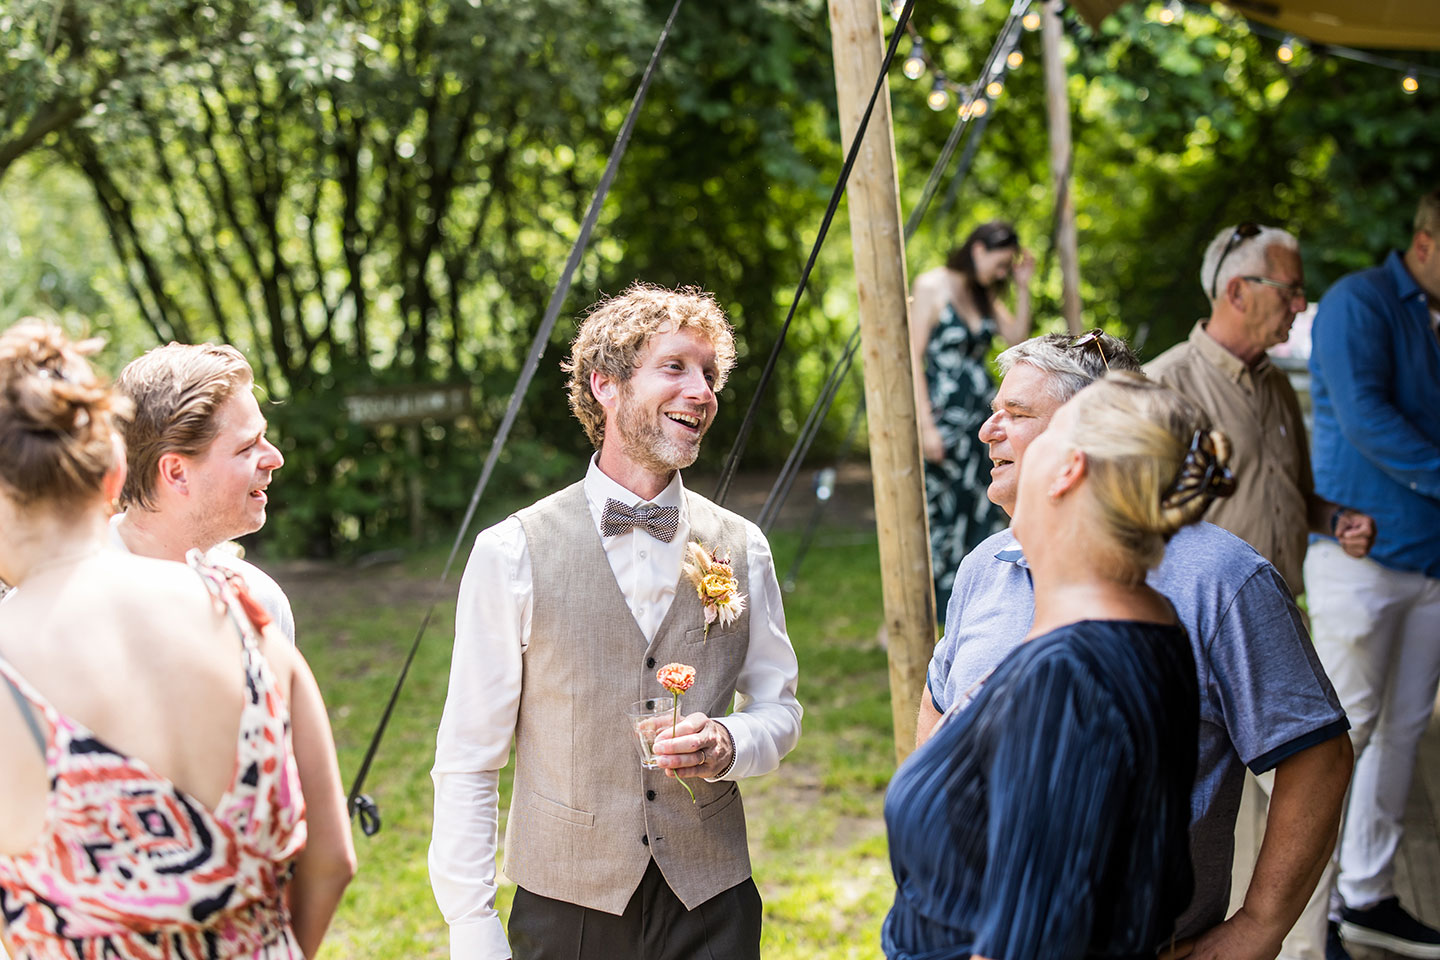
<point>131,867</point>
<point>960,390</point>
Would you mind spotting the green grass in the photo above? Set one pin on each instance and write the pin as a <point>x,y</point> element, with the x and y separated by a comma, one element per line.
<point>816,835</point>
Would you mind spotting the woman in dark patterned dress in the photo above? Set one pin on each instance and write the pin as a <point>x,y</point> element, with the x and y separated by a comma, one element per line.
<point>954,316</point>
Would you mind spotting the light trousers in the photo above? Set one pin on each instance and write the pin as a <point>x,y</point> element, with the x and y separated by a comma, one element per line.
<point>1377,633</point>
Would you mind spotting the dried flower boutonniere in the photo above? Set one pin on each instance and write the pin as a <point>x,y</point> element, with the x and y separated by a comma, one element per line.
<point>715,583</point>
<point>677,678</point>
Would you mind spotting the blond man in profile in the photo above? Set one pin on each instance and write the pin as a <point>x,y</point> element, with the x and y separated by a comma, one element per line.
<point>199,463</point>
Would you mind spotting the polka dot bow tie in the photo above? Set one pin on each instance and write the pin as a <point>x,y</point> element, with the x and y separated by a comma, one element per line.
<point>660,522</point>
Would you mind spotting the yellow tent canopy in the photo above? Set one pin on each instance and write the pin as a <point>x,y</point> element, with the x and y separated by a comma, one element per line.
<point>1399,24</point>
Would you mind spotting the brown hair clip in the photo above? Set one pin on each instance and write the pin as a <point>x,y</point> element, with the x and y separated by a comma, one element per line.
<point>1201,474</point>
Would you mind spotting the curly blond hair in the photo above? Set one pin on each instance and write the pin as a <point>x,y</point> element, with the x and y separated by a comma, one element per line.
<point>616,330</point>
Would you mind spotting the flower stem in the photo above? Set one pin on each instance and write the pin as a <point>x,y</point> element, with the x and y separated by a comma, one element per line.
<point>674,721</point>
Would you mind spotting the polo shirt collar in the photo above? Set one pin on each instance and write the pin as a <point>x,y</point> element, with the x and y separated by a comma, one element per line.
<point>1222,359</point>
<point>1405,286</point>
<point>1011,553</point>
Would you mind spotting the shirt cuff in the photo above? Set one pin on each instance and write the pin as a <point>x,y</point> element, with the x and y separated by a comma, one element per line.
<point>1273,758</point>
<point>480,940</point>
<point>734,753</point>
<point>934,700</point>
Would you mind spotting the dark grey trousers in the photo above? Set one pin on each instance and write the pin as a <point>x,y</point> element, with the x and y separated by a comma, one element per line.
<point>654,926</point>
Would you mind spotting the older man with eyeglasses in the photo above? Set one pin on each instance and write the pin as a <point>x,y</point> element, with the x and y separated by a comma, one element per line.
<point>1256,285</point>
<point>1254,279</point>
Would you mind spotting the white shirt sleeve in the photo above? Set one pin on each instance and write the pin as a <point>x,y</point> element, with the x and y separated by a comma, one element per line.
<point>492,627</point>
<point>766,723</point>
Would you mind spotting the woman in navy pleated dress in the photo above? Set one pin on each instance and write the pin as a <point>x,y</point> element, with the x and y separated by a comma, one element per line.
<point>1049,818</point>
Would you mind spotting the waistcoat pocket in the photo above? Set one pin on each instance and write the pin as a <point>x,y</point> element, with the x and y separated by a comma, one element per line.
<point>718,634</point>
<point>559,811</point>
<point>709,808</point>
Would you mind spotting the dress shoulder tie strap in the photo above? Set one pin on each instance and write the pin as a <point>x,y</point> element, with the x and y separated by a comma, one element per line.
<point>23,703</point>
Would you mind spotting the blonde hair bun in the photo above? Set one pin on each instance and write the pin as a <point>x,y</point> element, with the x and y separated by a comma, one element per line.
<point>1153,460</point>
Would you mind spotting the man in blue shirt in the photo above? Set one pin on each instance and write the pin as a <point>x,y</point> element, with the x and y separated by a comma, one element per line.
<point>1375,381</point>
<point>1265,702</point>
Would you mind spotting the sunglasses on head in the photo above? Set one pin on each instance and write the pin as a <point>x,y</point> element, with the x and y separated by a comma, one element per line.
<point>1091,337</point>
<point>1242,233</point>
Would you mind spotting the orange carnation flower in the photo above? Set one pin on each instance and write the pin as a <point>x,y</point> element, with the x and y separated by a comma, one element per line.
<point>676,677</point>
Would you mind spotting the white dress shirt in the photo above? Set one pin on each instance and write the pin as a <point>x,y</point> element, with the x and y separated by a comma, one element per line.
<point>492,631</point>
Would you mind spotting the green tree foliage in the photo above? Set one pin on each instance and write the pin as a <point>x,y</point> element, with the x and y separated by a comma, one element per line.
<point>382,192</point>
<point>1181,129</point>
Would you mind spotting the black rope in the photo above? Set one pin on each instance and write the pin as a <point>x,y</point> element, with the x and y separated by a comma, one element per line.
<point>780,490</point>
<point>1017,10</point>
<point>363,806</point>
<point>972,146</point>
<point>813,524</point>
<point>732,461</point>
<point>1006,41</point>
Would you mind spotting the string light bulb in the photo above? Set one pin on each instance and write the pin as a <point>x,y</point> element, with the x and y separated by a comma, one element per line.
<point>1170,12</point>
<point>1410,84</point>
<point>897,7</point>
<point>939,97</point>
<point>994,88</point>
<point>914,67</point>
<point>980,107</point>
<point>1286,51</point>
<point>1015,59</point>
<point>1031,21</point>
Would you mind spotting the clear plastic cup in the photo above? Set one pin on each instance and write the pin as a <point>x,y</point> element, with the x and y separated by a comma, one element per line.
<point>649,719</point>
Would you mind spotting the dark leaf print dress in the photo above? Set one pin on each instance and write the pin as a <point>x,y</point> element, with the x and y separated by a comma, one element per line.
<point>961,515</point>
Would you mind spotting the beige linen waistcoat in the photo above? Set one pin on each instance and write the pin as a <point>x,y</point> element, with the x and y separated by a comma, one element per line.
<point>585,817</point>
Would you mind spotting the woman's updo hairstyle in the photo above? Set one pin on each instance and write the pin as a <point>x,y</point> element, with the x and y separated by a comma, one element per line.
<point>1154,463</point>
<point>57,417</point>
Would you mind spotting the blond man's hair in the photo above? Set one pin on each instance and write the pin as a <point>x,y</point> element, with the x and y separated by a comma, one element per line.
<point>1136,436</point>
<point>176,390</point>
<point>615,332</point>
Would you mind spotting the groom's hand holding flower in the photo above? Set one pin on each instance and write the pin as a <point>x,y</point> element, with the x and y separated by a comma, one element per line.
<point>699,747</point>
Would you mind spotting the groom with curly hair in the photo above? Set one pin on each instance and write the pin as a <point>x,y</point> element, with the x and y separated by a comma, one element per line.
<point>566,610</point>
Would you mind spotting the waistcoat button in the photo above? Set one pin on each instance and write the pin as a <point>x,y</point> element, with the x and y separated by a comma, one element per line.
<point>649,794</point>
<point>650,663</point>
<point>645,840</point>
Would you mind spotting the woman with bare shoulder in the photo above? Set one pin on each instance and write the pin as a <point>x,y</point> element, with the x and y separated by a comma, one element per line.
<point>168,781</point>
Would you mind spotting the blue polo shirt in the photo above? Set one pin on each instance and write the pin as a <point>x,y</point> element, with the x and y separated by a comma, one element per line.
<point>1263,694</point>
<point>1375,385</point>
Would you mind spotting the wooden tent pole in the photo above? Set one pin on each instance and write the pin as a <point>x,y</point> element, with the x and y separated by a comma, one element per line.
<point>878,241</point>
<point>1061,151</point>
